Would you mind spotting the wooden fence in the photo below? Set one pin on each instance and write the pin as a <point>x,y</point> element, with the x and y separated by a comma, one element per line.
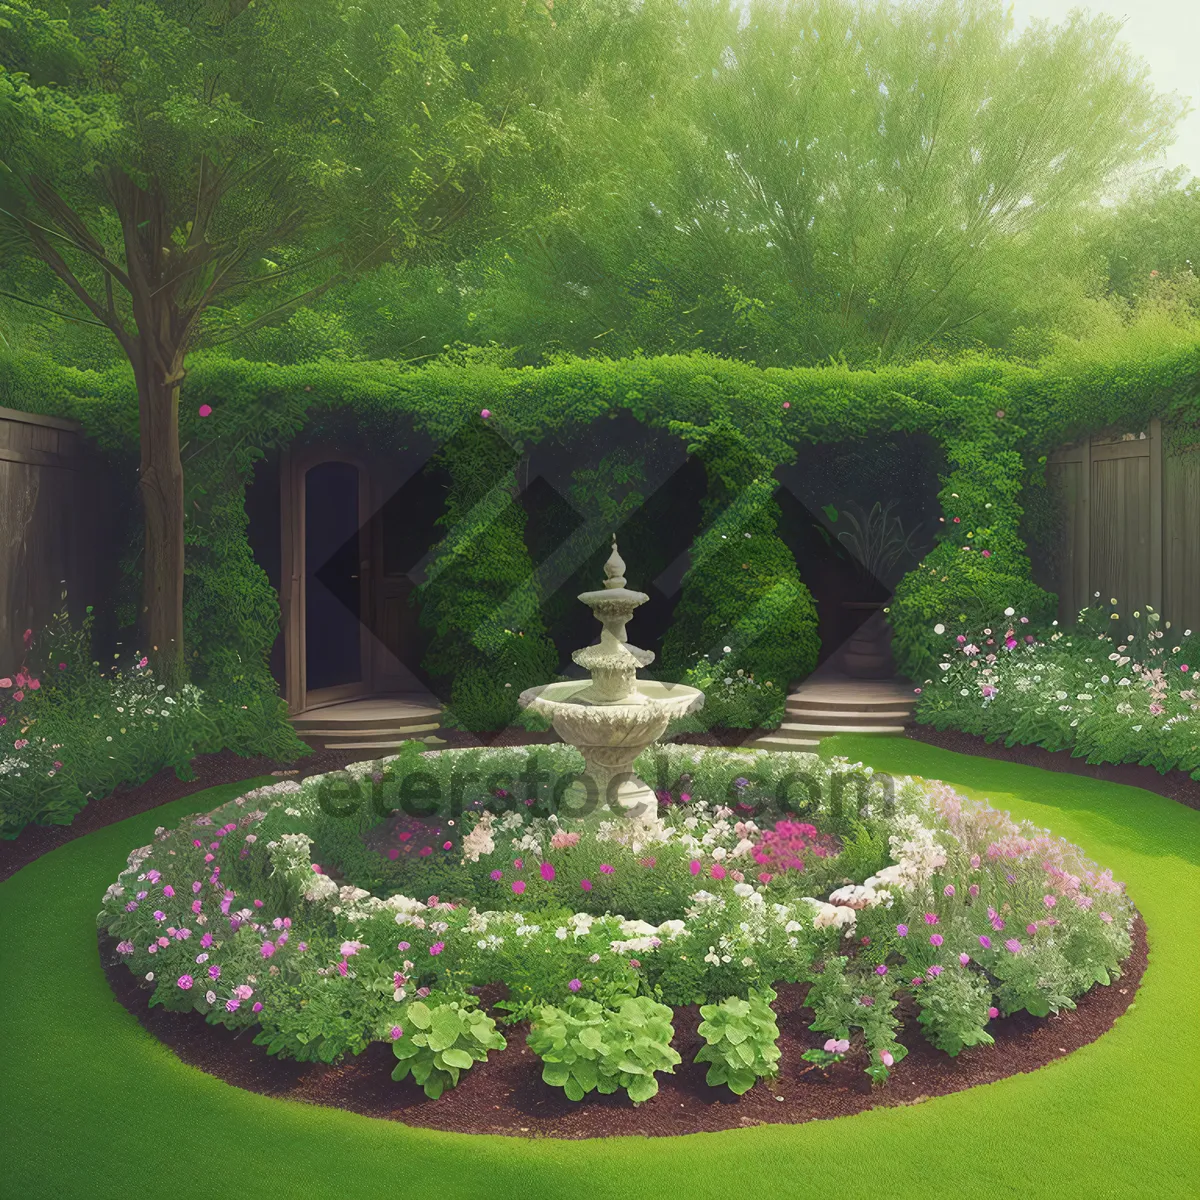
<point>1130,504</point>
<point>52,524</point>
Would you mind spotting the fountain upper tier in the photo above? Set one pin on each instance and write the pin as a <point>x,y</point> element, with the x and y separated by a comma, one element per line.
<point>612,719</point>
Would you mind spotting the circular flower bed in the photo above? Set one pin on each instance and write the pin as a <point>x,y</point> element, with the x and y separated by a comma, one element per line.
<point>373,905</point>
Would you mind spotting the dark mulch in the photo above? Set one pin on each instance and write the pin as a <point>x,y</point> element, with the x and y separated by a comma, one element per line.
<point>1175,785</point>
<point>506,1095</point>
<point>211,770</point>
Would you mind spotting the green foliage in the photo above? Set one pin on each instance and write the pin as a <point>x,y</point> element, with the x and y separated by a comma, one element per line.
<point>586,1047</point>
<point>953,1010</point>
<point>480,597</point>
<point>742,595</point>
<point>441,1039</point>
<point>740,1041</point>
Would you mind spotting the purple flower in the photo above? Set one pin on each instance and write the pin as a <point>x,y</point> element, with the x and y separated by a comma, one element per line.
<point>902,930</point>
<point>985,941</point>
<point>574,985</point>
<point>881,969</point>
<point>257,1006</point>
<point>159,916</point>
<point>184,981</point>
<point>1013,946</point>
<point>396,1033</point>
<point>124,947</point>
<point>934,971</point>
<point>214,972</point>
<point>948,890</point>
<point>437,947</point>
<point>402,945</point>
<point>267,949</point>
<point>935,939</point>
<point>168,890</point>
<point>131,906</point>
<point>232,1005</point>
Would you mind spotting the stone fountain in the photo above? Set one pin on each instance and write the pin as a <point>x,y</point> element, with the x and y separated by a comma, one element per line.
<point>613,717</point>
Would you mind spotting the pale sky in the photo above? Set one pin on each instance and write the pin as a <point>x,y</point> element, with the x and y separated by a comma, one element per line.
<point>1165,34</point>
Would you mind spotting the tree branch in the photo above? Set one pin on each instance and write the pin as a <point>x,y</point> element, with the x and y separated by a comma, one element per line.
<point>57,312</point>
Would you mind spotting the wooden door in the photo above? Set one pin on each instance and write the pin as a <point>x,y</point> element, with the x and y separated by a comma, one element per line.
<point>326,597</point>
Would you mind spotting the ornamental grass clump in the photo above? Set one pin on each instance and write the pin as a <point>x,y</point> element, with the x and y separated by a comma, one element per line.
<point>587,1047</point>
<point>437,1040</point>
<point>740,1041</point>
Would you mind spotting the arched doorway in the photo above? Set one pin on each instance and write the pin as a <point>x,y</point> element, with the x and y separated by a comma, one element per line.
<point>326,597</point>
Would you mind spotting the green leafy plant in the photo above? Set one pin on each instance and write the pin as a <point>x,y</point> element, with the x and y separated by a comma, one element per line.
<point>440,1040</point>
<point>876,539</point>
<point>740,1041</point>
<point>586,1047</point>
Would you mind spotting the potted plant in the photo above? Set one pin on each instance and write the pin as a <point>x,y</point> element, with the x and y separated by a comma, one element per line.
<point>881,550</point>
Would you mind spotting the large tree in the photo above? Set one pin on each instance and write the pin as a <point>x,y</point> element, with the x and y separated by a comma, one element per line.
<point>165,160</point>
<point>844,177</point>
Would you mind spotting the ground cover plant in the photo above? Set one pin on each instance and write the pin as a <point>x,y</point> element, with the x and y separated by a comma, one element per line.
<point>866,890</point>
<point>1118,686</point>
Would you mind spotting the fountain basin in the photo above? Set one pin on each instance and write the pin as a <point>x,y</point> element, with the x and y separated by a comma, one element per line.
<point>611,736</point>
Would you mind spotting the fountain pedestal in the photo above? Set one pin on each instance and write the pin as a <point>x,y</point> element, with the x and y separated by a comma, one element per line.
<point>613,717</point>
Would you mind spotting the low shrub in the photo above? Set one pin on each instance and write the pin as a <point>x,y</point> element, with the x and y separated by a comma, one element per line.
<point>444,1039</point>
<point>740,1041</point>
<point>587,1047</point>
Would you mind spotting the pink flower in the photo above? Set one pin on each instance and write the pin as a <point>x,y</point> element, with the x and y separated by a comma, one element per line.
<point>396,1033</point>
<point>993,1012</point>
<point>765,877</point>
<point>973,890</point>
<point>184,981</point>
<point>214,972</point>
<point>986,553</point>
<point>931,918</point>
<point>257,1006</point>
<point>1031,929</point>
<point>886,1058</point>
<point>934,971</point>
<point>484,413</point>
<point>985,941</point>
<point>205,410</point>
<point>206,940</point>
<point>837,1046</point>
<point>518,863</point>
<point>935,939</point>
<point>267,949</point>
<point>402,945</point>
<point>902,930</point>
<point>1183,667</point>
<point>497,875</point>
<point>546,870</point>
<point>168,890</point>
<point>437,948</point>
<point>948,890</point>
<point>1013,946</point>
<point>718,871</point>
<point>586,885</point>
<point>606,869</point>
<point>881,969</point>
<point>787,404</point>
<point>574,985</point>
<point>964,959</point>
<point>518,886</point>
<point>1049,901</point>
<point>694,866</point>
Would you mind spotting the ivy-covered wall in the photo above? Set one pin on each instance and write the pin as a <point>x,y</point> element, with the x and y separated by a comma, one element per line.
<point>995,420</point>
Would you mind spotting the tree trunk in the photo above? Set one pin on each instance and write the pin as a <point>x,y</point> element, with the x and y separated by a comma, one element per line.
<point>161,483</point>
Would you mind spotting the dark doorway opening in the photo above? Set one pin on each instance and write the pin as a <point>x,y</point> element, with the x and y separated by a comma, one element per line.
<point>333,592</point>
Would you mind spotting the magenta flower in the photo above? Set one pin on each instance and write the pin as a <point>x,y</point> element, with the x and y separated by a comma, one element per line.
<point>257,1006</point>
<point>718,871</point>
<point>168,890</point>
<point>546,870</point>
<point>159,916</point>
<point>232,1004</point>
<point>993,1013</point>
<point>881,969</point>
<point>606,869</point>
<point>585,884</point>
<point>985,941</point>
<point>214,972</point>
<point>125,947</point>
<point>964,959</point>
<point>518,886</point>
<point>934,971</point>
<point>1049,901</point>
<point>902,930</point>
<point>948,890</point>
<point>1013,946</point>
<point>497,875</point>
<point>401,945</point>
<point>574,985</point>
<point>694,866</point>
<point>267,949</point>
<point>518,863</point>
<point>205,410</point>
<point>437,947</point>
<point>396,1033</point>
<point>184,981</point>
<point>931,918</point>
<point>206,941</point>
<point>935,939</point>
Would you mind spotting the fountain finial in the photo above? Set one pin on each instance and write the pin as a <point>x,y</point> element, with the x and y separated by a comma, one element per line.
<point>614,568</point>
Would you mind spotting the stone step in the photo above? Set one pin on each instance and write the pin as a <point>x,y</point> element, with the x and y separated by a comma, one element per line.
<point>804,729</point>
<point>369,731</point>
<point>383,743</point>
<point>846,714</point>
<point>775,741</point>
<point>372,712</point>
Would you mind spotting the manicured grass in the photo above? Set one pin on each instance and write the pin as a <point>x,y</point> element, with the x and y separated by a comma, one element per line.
<point>92,1107</point>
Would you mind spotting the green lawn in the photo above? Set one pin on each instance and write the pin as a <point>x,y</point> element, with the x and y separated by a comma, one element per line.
<point>91,1106</point>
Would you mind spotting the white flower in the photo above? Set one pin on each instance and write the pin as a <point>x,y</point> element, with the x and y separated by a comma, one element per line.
<point>939,628</point>
<point>743,890</point>
<point>1008,612</point>
<point>727,650</point>
<point>638,929</point>
<point>149,976</point>
<point>672,929</point>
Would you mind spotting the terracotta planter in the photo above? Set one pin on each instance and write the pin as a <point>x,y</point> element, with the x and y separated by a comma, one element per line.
<point>868,653</point>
